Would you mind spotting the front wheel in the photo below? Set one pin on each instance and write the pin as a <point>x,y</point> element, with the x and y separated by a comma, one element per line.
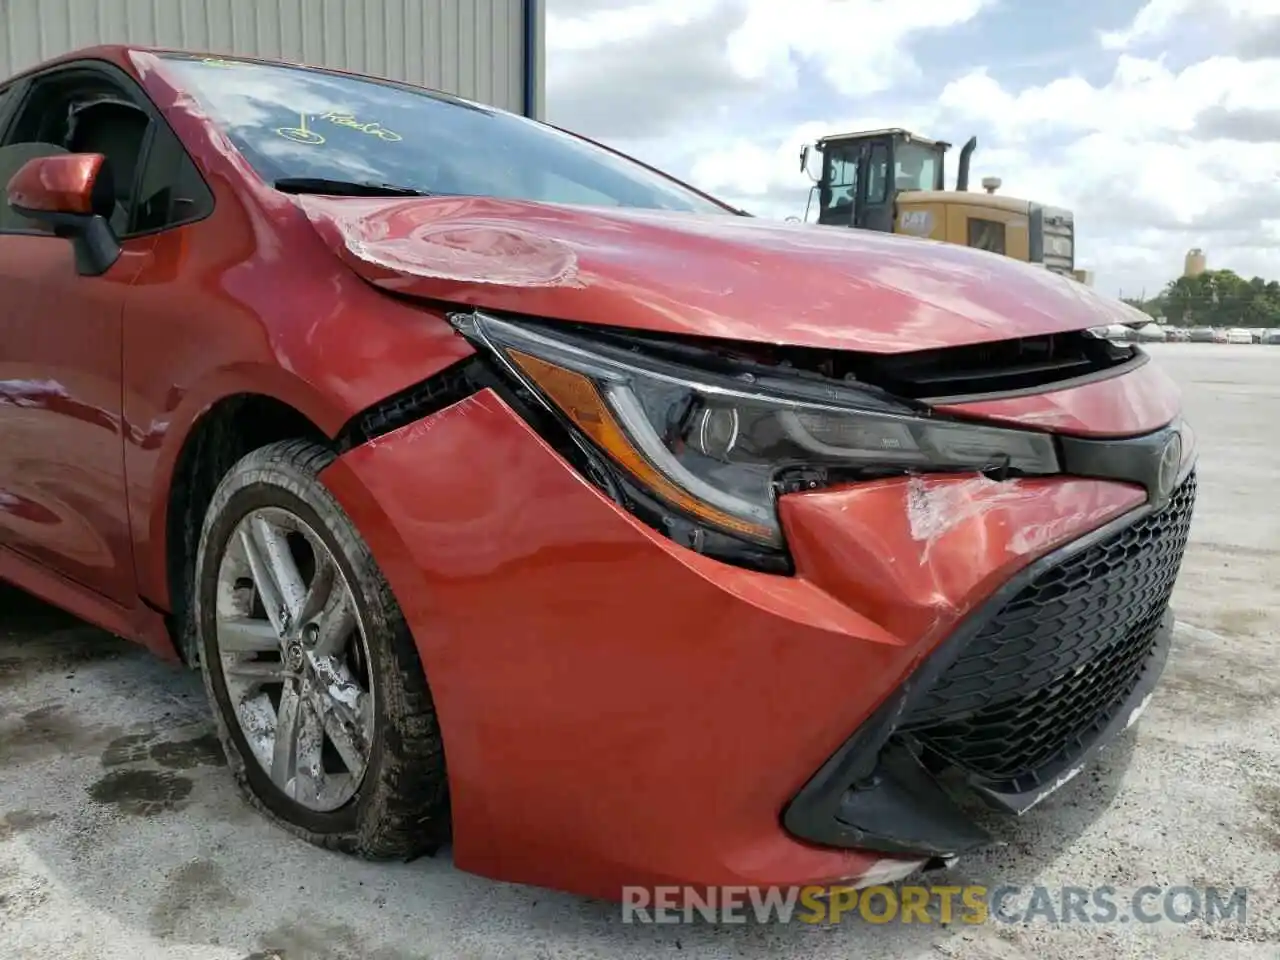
<point>320,699</point>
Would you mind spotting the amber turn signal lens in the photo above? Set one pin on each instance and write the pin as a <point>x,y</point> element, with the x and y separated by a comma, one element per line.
<point>579,400</point>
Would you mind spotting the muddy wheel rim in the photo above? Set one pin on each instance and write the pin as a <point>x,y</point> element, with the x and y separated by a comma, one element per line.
<point>294,659</point>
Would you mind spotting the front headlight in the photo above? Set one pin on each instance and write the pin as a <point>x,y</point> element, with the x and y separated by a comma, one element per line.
<point>719,447</point>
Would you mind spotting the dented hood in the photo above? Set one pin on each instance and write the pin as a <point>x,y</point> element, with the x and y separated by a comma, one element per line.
<point>739,278</point>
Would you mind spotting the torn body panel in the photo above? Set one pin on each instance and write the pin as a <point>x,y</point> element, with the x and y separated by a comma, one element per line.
<point>915,554</point>
<point>525,587</point>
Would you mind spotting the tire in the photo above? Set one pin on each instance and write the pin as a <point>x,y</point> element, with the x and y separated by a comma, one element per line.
<point>399,809</point>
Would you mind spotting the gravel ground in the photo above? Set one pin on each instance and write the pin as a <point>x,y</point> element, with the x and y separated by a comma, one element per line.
<point>121,835</point>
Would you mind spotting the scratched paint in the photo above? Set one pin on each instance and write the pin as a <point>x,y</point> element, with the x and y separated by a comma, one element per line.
<point>888,871</point>
<point>30,393</point>
<point>1058,784</point>
<point>934,507</point>
<point>1035,537</point>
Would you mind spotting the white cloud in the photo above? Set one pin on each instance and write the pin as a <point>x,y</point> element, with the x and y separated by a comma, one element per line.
<point>1157,18</point>
<point>857,45</point>
<point>1142,155</point>
<point>593,28</point>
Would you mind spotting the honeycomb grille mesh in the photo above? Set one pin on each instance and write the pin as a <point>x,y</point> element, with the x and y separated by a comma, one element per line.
<point>1054,664</point>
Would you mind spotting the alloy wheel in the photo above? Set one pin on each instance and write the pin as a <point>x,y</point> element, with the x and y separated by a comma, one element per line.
<point>294,658</point>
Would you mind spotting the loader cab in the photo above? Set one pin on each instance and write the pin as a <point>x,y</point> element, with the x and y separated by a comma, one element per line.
<point>861,174</point>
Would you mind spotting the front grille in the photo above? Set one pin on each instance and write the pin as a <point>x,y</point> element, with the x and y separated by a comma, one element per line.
<point>1052,667</point>
<point>1038,362</point>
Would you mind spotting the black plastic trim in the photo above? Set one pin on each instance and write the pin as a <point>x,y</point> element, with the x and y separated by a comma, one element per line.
<point>415,402</point>
<point>1035,233</point>
<point>529,59</point>
<point>92,239</point>
<point>901,808</point>
<point>1021,801</point>
<point>1131,460</point>
<point>1138,359</point>
<point>815,813</point>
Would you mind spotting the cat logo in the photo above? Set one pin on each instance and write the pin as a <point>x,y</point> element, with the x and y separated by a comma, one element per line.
<point>916,222</point>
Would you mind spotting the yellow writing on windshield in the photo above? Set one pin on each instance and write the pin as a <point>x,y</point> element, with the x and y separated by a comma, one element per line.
<point>304,134</point>
<point>371,127</point>
<point>301,133</point>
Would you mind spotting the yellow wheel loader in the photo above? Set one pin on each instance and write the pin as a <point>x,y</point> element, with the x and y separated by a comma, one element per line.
<point>893,180</point>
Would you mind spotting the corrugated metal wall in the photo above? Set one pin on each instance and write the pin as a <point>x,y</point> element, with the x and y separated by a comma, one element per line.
<point>470,47</point>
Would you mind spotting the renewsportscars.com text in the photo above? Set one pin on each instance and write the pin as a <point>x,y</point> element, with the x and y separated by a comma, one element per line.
<point>973,904</point>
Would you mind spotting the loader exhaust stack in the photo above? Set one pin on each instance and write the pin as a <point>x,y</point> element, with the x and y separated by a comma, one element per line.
<point>962,174</point>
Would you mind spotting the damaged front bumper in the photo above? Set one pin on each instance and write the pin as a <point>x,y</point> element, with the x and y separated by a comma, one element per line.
<point>619,710</point>
<point>1017,700</point>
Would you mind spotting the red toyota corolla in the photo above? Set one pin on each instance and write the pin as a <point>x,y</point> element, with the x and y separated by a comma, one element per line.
<point>506,489</point>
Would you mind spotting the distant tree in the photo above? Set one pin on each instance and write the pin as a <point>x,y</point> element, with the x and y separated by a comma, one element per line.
<point>1218,298</point>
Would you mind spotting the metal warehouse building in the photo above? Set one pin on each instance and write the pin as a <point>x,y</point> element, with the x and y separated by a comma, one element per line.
<point>486,50</point>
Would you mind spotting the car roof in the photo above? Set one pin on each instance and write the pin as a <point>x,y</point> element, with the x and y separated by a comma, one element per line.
<point>118,53</point>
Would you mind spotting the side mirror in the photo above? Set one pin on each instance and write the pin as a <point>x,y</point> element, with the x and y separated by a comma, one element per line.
<point>74,194</point>
<point>808,154</point>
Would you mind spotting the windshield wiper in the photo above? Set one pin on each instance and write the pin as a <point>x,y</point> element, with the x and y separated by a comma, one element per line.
<point>344,188</point>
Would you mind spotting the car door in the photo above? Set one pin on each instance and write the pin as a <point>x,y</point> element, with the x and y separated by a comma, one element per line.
<point>875,199</point>
<point>62,481</point>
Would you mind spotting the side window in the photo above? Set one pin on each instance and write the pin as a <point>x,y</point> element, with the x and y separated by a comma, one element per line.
<point>171,191</point>
<point>80,110</point>
<point>843,180</point>
<point>14,153</point>
<point>986,235</point>
<point>76,111</point>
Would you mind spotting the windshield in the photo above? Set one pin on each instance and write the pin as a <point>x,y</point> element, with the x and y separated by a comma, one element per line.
<point>294,122</point>
<point>916,167</point>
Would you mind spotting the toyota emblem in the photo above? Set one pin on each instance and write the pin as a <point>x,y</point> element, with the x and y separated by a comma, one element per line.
<point>1170,463</point>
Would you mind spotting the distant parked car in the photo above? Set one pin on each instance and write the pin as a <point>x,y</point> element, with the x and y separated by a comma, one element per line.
<point>1177,334</point>
<point>1115,332</point>
<point>1151,333</point>
<point>1200,334</point>
<point>1220,336</point>
<point>1236,335</point>
<point>1271,336</point>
